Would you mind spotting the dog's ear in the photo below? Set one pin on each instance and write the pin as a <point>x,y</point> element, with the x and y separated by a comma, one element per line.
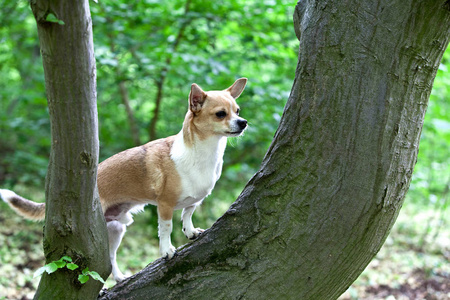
<point>237,87</point>
<point>196,98</point>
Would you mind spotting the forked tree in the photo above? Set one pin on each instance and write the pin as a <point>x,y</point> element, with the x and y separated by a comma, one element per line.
<point>334,179</point>
<point>331,184</point>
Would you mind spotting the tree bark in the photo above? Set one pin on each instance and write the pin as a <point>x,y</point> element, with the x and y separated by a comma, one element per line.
<point>74,224</point>
<point>334,179</point>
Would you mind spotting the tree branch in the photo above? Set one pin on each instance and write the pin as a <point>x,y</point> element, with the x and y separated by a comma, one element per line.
<point>124,95</point>
<point>163,74</point>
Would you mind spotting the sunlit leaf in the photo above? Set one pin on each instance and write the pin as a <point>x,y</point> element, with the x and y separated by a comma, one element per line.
<point>96,276</point>
<point>83,278</point>
<point>72,266</point>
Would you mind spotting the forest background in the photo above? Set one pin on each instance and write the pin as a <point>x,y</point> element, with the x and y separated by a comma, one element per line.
<point>148,54</point>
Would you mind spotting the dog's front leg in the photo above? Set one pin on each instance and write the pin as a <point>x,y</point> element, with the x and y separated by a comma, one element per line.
<point>165,214</point>
<point>188,228</point>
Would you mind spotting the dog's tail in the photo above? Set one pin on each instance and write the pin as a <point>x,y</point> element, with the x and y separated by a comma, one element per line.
<point>26,208</point>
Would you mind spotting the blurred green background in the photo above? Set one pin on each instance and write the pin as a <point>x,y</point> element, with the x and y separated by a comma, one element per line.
<point>149,52</point>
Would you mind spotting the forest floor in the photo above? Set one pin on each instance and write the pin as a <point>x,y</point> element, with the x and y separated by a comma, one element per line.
<point>413,263</point>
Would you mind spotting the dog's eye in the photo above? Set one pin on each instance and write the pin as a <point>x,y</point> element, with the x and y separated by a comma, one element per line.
<point>237,112</point>
<point>221,114</point>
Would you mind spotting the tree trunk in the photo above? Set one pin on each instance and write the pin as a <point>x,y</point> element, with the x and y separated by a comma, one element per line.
<point>163,75</point>
<point>134,129</point>
<point>74,224</point>
<point>334,179</point>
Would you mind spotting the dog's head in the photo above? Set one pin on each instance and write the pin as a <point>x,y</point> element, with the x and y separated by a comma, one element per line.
<point>216,112</point>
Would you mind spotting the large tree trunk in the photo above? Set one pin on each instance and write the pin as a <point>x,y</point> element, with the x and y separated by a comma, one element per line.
<point>74,223</point>
<point>334,179</point>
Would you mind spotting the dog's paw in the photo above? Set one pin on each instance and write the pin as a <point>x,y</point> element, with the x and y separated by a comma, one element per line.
<point>193,233</point>
<point>168,253</point>
<point>118,276</point>
<point>102,292</point>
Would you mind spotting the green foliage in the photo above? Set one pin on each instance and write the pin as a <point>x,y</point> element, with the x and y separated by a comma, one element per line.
<point>53,266</point>
<point>139,43</point>
<point>84,276</point>
<point>66,261</point>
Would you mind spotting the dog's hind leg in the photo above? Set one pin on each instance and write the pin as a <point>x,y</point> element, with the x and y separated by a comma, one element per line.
<point>116,230</point>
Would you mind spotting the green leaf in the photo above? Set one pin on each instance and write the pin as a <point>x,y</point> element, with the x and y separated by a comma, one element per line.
<point>51,267</point>
<point>60,264</point>
<point>83,278</point>
<point>96,276</point>
<point>52,18</point>
<point>55,265</point>
<point>72,266</point>
<point>39,272</point>
<point>66,258</point>
<point>87,273</point>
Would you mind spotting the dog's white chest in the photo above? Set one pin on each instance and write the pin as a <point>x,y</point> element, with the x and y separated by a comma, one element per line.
<point>199,167</point>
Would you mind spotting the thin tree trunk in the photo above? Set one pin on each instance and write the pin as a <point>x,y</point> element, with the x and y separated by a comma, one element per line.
<point>124,96</point>
<point>159,95</point>
<point>130,115</point>
<point>163,75</point>
<point>74,224</point>
<point>334,179</point>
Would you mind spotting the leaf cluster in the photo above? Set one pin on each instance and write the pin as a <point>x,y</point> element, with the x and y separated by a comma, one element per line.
<point>66,261</point>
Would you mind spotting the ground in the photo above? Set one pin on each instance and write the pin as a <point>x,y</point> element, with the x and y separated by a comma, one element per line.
<point>413,263</point>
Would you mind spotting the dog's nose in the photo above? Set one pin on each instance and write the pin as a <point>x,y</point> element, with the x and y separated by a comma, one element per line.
<point>242,123</point>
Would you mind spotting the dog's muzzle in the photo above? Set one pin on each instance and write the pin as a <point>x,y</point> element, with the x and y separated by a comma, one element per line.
<point>242,123</point>
<point>238,127</point>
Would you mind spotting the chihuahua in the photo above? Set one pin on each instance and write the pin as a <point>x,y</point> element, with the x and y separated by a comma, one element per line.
<point>176,172</point>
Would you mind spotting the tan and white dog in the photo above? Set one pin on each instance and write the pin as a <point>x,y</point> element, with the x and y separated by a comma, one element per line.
<point>176,172</point>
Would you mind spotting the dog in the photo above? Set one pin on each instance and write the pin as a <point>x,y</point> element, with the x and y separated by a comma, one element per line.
<point>176,172</point>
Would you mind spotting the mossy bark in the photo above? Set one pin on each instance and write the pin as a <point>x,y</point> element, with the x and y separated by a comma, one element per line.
<point>74,223</point>
<point>335,177</point>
